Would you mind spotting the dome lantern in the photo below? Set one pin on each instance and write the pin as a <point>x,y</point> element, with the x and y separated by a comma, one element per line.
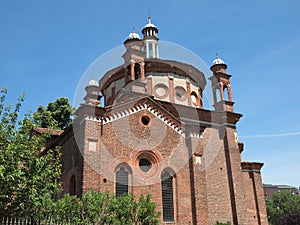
<point>150,32</point>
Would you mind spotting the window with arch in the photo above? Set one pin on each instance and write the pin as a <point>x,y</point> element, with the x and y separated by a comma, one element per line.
<point>72,185</point>
<point>218,95</point>
<point>167,191</point>
<point>137,71</point>
<point>122,180</point>
<point>150,50</point>
<point>225,91</point>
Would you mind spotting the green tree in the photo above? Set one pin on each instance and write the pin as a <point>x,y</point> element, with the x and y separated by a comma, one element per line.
<point>27,177</point>
<point>147,213</point>
<point>282,204</point>
<point>57,114</point>
<point>218,223</point>
<point>66,210</point>
<point>292,218</point>
<point>104,208</point>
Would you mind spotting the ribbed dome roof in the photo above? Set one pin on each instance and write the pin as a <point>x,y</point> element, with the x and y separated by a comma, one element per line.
<point>149,24</point>
<point>93,83</point>
<point>133,35</point>
<point>218,61</point>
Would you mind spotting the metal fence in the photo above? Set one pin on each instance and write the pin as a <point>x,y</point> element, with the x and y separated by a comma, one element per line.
<point>30,221</point>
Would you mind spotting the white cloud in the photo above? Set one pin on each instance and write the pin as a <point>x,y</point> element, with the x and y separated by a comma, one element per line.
<point>271,135</point>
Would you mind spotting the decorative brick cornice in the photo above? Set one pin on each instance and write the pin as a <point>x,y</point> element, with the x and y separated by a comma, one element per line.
<point>116,115</point>
<point>251,166</point>
<point>219,75</point>
<point>175,116</point>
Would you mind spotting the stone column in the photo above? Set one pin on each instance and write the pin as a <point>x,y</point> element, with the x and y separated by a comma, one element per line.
<point>132,71</point>
<point>142,66</point>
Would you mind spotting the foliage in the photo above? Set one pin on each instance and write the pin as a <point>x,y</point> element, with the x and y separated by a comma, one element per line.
<point>67,210</point>
<point>218,223</point>
<point>56,115</point>
<point>147,211</point>
<point>292,218</point>
<point>103,208</point>
<point>27,179</point>
<point>282,204</point>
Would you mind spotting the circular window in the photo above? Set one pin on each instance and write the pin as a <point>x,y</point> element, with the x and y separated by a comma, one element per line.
<point>145,120</point>
<point>145,165</point>
<point>160,91</point>
<point>147,161</point>
<point>194,98</point>
<point>180,93</point>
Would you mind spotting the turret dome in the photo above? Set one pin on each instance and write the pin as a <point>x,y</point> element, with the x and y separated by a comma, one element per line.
<point>149,24</point>
<point>218,61</point>
<point>93,83</point>
<point>133,36</point>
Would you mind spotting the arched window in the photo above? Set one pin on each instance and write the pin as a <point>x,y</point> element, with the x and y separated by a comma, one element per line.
<point>72,185</point>
<point>150,50</point>
<point>167,196</point>
<point>122,177</point>
<point>218,95</point>
<point>226,95</point>
<point>137,71</point>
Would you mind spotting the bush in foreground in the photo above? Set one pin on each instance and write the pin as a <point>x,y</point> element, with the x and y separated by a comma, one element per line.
<point>104,208</point>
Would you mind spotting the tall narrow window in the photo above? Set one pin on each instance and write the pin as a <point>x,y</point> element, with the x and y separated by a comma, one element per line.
<point>226,95</point>
<point>72,185</point>
<point>218,95</point>
<point>150,50</point>
<point>122,181</point>
<point>137,71</point>
<point>167,196</point>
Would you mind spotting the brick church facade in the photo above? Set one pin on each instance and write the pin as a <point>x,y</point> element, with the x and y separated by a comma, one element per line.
<point>153,136</point>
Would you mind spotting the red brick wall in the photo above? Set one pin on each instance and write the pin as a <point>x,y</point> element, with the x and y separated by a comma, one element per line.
<point>72,163</point>
<point>118,144</point>
<point>237,176</point>
<point>123,140</point>
<point>260,198</point>
<point>218,198</point>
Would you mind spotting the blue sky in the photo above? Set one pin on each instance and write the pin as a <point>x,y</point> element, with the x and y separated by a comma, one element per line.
<point>46,46</point>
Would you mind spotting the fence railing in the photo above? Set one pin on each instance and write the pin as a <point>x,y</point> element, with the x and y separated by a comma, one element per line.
<point>31,221</point>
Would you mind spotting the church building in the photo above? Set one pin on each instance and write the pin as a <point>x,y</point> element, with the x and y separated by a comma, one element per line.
<point>142,128</point>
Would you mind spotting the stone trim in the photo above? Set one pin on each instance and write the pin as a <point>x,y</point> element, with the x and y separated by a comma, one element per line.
<point>133,110</point>
<point>251,166</point>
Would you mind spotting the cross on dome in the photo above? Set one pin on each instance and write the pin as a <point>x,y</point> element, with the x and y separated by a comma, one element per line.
<point>150,24</point>
<point>218,60</point>
<point>133,35</point>
<point>93,83</point>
